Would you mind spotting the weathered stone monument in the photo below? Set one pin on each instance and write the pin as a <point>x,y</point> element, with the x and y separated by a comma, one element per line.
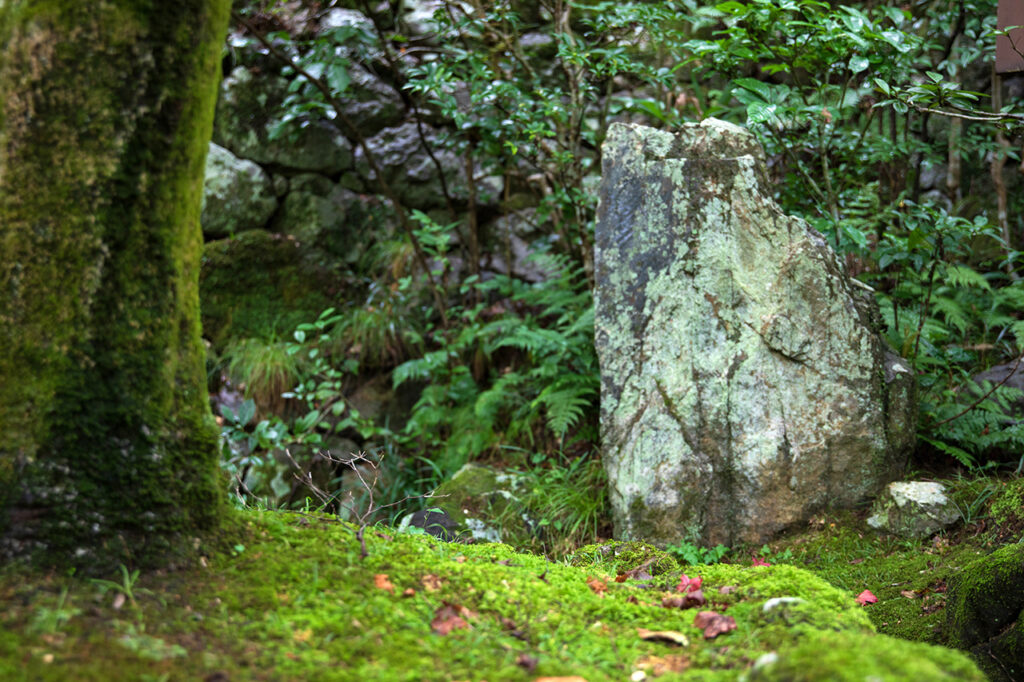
<point>744,383</point>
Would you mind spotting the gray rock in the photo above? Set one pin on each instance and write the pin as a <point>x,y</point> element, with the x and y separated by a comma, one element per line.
<point>744,382</point>
<point>237,195</point>
<point>913,509</point>
<point>409,170</point>
<point>322,215</point>
<point>247,113</point>
<point>371,104</point>
<point>346,18</point>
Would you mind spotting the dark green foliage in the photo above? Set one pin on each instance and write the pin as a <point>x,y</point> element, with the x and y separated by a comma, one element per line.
<point>852,105</point>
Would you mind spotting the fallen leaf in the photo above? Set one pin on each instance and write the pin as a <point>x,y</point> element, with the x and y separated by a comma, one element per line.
<point>857,561</point>
<point>119,599</point>
<point>527,662</point>
<point>686,601</point>
<point>381,582</point>
<point>570,678</point>
<point>909,594</point>
<point>408,592</point>
<point>727,589</point>
<point>598,587</point>
<point>460,559</point>
<point>714,624</point>
<point>449,617</point>
<point>303,635</point>
<point>631,599</point>
<point>659,665</point>
<point>430,582</point>
<point>758,561</point>
<point>687,584</point>
<point>866,597</point>
<point>670,636</point>
<point>638,573</point>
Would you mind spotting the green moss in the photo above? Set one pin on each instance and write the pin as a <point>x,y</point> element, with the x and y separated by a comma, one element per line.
<point>847,657</point>
<point>909,577</point>
<point>1007,504</point>
<point>109,451</point>
<point>625,556</point>
<point>298,601</point>
<point>260,285</point>
<point>984,609</point>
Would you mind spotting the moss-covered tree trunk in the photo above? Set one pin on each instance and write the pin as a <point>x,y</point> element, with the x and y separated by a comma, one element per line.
<point>107,445</point>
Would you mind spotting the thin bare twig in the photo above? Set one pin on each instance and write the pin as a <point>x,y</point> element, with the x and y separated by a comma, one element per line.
<point>982,399</point>
<point>363,516</point>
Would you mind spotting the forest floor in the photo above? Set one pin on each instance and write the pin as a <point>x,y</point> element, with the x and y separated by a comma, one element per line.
<point>292,599</point>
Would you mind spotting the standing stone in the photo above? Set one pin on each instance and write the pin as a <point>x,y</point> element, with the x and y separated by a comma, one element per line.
<point>744,382</point>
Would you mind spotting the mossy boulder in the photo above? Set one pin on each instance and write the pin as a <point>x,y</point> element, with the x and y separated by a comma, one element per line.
<point>237,195</point>
<point>248,112</point>
<point>983,612</point>
<point>850,657</point>
<point>258,284</point>
<point>484,503</point>
<point>326,216</point>
<point>625,556</point>
<point>913,509</point>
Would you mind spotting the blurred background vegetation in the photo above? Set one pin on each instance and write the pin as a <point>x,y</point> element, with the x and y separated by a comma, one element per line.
<point>462,330</point>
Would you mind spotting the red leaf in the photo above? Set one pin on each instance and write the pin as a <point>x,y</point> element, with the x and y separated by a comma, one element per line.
<point>689,584</point>
<point>714,624</point>
<point>758,561</point>
<point>866,597</point>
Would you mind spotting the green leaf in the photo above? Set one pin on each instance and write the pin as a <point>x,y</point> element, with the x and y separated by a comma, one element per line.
<point>762,90</point>
<point>858,64</point>
<point>338,78</point>
<point>731,7</point>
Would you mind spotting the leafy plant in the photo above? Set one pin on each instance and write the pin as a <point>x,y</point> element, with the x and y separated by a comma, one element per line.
<point>687,552</point>
<point>126,588</point>
<point>49,620</point>
<point>264,370</point>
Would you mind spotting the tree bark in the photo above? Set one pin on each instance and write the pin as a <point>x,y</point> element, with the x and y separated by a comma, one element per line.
<point>108,450</point>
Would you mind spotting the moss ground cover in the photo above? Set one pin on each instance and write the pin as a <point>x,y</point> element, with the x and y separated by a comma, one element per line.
<point>291,600</point>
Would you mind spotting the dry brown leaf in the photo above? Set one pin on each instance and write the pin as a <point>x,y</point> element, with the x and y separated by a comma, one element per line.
<point>909,594</point>
<point>449,617</point>
<point>714,624</point>
<point>430,582</point>
<point>527,662</point>
<point>599,587</point>
<point>381,582</point>
<point>460,559</point>
<point>670,636</point>
<point>727,589</point>
<point>408,592</point>
<point>570,678</point>
<point>659,665</point>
